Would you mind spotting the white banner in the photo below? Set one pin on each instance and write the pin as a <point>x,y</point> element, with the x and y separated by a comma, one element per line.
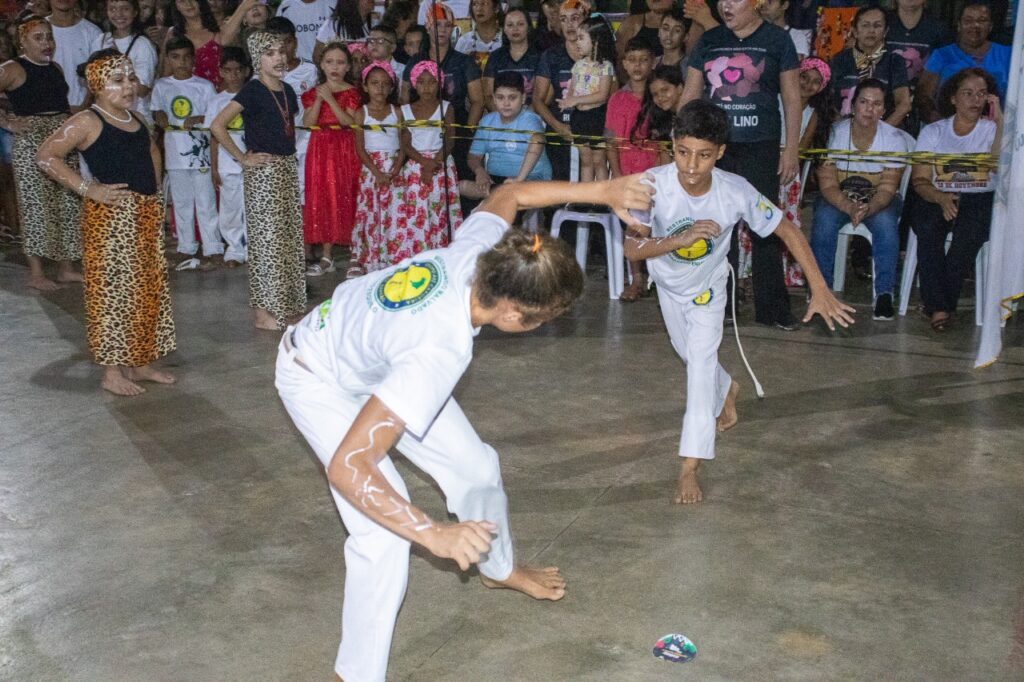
<point>1004,276</point>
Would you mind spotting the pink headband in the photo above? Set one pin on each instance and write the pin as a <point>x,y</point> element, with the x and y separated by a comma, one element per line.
<point>818,65</point>
<point>428,66</point>
<point>357,48</point>
<point>383,66</point>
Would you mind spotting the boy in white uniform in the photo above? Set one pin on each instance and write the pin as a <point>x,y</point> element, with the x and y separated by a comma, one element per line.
<point>181,100</point>
<point>374,367</point>
<point>227,174</point>
<point>74,37</point>
<point>695,208</point>
<point>302,76</point>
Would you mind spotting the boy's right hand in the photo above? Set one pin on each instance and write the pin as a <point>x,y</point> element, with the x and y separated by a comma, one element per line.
<point>464,542</point>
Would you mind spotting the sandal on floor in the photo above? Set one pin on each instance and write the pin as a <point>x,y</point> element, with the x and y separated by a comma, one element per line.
<point>187,264</point>
<point>632,293</point>
<point>324,266</point>
<point>8,235</point>
<point>942,324</point>
<point>354,271</point>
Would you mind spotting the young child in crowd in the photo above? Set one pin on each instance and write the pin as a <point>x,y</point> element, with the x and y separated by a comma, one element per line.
<point>416,41</point>
<point>227,174</point>
<point>592,78</point>
<point>695,208</point>
<point>512,153</point>
<point>431,210</point>
<point>270,182</point>
<point>658,111</point>
<point>380,188</point>
<point>381,48</point>
<point>672,36</point>
<point>301,76</point>
<point>360,58</point>
<point>332,165</point>
<point>181,100</point>
<point>630,152</point>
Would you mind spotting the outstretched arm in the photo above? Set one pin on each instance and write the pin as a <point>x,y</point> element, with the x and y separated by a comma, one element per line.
<point>822,301</point>
<point>354,473</point>
<point>620,194</point>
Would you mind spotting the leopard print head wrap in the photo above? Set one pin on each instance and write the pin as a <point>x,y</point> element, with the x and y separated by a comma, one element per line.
<point>259,43</point>
<point>99,71</point>
<point>26,26</point>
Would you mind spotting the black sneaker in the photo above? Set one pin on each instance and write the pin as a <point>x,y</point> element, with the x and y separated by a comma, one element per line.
<point>884,309</point>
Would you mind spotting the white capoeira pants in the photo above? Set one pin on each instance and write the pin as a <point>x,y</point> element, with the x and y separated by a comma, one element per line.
<point>377,560</point>
<point>231,216</point>
<point>695,328</point>
<point>192,193</point>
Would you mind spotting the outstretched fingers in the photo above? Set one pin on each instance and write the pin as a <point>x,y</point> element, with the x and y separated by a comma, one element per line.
<point>832,311</point>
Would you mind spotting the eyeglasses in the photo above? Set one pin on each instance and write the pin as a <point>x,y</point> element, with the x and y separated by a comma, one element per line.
<point>380,41</point>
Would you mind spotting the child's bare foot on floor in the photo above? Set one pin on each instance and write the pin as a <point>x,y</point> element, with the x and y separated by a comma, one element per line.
<point>264,320</point>
<point>727,418</point>
<point>118,384</point>
<point>148,373</point>
<point>687,488</point>
<point>539,583</point>
<point>69,276</point>
<point>41,283</point>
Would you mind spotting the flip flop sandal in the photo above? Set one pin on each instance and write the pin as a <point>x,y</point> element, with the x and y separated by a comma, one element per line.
<point>942,324</point>
<point>354,271</point>
<point>187,264</point>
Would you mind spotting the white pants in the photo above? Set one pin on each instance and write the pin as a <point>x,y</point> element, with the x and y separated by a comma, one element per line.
<point>231,216</point>
<point>377,560</point>
<point>695,329</point>
<point>191,193</point>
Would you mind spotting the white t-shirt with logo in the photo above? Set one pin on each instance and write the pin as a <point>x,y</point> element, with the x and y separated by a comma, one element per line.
<point>940,137</point>
<point>182,100</point>
<point>144,58</point>
<point>302,78</point>
<point>308,17</point>
<point>689,272</point>
<point>403,334</point>
<point>859,180</point>
<point>226,164</point>
<point>73,48</point>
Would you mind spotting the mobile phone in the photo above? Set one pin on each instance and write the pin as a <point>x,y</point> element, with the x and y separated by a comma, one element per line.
<point>987,111</point>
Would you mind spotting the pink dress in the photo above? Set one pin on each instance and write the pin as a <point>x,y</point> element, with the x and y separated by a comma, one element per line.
<point>332,174</point>
<point>623,109</point>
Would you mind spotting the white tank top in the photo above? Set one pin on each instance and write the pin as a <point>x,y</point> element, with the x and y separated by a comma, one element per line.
<point>386,141</point>
<point>426,138</point>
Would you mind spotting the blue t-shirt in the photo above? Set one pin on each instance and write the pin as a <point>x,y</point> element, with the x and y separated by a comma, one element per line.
<point>505,150</point>
<point>947,60</point>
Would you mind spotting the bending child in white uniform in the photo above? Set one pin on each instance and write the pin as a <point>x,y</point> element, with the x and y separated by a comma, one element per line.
<point>696,206</point>
<point>374,367</point>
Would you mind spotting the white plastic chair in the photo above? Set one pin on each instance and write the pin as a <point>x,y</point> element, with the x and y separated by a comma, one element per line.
<point>612,239</point>
<point>849,230</point>
<point>910,276</point>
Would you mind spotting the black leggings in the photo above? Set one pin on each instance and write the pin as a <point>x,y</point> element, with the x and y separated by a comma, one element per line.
<point>942,272</point>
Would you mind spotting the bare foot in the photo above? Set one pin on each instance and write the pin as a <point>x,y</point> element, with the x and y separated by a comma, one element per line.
<point>118,384</point>
<point>727,418</point>
<point>68,276</point>
<point>148,373</point>
<point>264,320</point>
<point>41,283</point>
<point>539,583</point>
<point>688,490</point>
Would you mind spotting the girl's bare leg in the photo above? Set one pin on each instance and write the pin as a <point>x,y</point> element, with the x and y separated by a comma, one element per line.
<point>600,164</point>
<point>586,163</point>
<point>37,278</point>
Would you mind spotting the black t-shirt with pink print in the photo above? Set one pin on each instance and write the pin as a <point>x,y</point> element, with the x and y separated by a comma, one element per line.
<point>741,75</point>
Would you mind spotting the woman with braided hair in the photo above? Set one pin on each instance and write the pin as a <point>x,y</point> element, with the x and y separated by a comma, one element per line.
<point>127,301</point>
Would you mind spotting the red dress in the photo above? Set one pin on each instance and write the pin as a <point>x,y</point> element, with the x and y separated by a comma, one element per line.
<point>207,62</point>
<point>332,174</point>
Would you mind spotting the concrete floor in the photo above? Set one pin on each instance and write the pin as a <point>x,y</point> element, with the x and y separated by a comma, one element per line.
<point>864,522</point>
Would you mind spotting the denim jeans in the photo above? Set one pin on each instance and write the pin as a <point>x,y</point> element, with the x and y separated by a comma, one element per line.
<point>885,241</point>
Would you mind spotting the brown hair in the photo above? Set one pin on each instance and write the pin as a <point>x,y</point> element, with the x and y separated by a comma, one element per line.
<point>953,83</point>
<point>536,272</point>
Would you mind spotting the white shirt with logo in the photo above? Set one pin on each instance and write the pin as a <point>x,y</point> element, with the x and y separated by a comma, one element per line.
<point>941,138</point>
<point>302,78</point>
<point>308,17</point>
<point>403,334</point>
<point>688,273</point>
<point>226,164</point>
<point>181,100</point>
<point>73,48</point>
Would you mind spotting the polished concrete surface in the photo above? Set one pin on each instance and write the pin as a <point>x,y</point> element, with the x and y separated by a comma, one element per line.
<point>863,522</point>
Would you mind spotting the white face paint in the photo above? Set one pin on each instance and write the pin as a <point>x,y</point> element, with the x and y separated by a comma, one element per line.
<point>119,89</point>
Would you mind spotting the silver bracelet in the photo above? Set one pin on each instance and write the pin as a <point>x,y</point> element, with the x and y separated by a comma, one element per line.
<point>83,187</point>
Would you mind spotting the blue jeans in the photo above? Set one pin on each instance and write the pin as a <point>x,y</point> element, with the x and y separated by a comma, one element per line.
<point>885,241</point>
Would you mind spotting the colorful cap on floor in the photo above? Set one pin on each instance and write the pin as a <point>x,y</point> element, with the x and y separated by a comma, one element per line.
<point>675,649</point>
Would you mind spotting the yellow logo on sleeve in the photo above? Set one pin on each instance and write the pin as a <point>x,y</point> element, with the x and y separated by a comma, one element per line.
<point>409,286</point>
<point>181,107</point>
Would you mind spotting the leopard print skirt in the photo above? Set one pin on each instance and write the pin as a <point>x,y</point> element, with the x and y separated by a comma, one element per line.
<point>273,219</point>
<point>127,300</point>
<point>49,212</point>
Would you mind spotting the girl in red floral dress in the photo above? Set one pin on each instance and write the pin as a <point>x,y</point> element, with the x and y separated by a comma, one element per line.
<point>431,211</point>
<point>332,165</point>
<point>380,187</point>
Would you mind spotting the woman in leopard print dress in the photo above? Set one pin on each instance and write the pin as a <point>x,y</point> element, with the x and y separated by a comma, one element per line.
<point>127,300</point>
<point>49,213</point>
<point>270,181</point>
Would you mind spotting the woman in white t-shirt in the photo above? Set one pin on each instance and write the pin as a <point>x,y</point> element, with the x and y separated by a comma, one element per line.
<point>374,367</point>
<point>350,20</point>
<point>863,192</point>
<point>955,197</point>
<point>125,34</point>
